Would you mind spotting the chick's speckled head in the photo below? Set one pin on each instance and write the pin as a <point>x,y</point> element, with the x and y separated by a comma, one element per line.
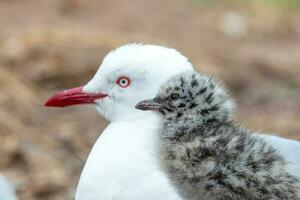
<point>192,99</point>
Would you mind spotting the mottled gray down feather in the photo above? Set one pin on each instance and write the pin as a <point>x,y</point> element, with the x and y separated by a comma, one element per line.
<point>207,155</point>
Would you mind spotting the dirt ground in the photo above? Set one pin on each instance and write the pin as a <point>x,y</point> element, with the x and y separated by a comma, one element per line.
<point>49,45</point>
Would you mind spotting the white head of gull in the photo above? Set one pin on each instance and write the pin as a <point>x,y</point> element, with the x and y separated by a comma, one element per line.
<point>122,163</point>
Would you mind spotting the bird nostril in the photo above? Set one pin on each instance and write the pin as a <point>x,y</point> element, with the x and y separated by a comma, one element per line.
<point>158,99</point>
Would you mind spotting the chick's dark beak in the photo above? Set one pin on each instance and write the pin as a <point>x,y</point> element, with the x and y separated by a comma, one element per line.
<point>150,104</point>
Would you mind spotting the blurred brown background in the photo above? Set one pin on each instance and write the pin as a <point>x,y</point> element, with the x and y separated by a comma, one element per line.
<point>49,45</point>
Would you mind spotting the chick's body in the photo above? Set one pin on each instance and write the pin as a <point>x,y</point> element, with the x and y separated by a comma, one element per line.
<point>226,162</point>
<point>206,155</point>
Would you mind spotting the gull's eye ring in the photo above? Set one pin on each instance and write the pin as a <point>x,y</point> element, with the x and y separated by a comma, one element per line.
<point>174,96</point>
<point>123,81</point>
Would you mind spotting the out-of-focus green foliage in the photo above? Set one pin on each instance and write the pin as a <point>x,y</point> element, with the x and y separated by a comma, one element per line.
<point>278,4</point>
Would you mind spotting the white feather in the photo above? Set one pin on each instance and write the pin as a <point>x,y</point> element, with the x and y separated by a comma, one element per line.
<point>7,189</point>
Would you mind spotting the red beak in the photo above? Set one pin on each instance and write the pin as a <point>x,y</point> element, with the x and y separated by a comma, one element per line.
<point>73,96</point>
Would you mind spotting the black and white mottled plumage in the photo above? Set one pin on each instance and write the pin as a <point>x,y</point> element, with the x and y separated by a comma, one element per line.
<point>206,154</point>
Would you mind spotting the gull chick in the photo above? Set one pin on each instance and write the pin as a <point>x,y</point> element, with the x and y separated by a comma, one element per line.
<point>206,154</point>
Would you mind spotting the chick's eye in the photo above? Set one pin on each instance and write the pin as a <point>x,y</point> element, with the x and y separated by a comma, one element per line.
<point>123,81</point>
<point>174,96</point>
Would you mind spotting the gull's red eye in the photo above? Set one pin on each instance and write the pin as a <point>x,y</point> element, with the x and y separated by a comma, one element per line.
<point>123,81</point>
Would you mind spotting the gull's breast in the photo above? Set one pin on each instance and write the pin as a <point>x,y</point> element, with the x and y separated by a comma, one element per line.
<point>122,166</point>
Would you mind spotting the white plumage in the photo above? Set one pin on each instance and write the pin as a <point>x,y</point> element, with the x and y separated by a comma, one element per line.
<point>7,189</point>
<point>122,164</point>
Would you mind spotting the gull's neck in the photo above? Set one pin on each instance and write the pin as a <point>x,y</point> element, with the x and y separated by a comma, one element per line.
<point>135,116</point>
